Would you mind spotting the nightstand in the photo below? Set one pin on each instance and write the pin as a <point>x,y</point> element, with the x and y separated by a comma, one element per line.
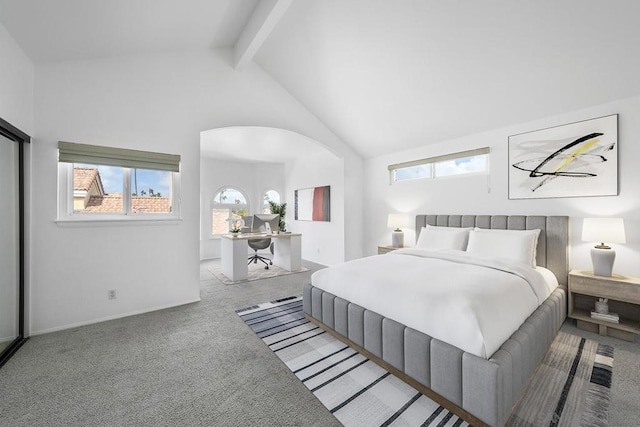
<point>624,298</point>
<point>383,249</point>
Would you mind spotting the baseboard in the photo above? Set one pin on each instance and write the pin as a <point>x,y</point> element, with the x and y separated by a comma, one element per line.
<point>113,317</point>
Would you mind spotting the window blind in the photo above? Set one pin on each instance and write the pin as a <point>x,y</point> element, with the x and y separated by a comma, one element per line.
<point>71,152</point>
<point>452,156</point>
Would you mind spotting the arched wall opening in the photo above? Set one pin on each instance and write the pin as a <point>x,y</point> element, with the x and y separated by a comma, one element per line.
<point>256,159</point>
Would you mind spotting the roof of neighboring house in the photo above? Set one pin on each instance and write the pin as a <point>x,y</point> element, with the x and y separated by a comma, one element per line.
<point>139,204</point>
<point>84,177</point>
<point>142,204</point>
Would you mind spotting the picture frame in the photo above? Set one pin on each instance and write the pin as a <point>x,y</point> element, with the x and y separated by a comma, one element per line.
<point>313,204</point>
<point>574,160</point>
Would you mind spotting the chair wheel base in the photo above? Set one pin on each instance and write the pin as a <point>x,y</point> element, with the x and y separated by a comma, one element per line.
<point>255,258</point>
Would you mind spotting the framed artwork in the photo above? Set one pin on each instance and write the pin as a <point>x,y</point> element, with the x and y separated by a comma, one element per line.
<point>573,160</point>
<point>313,204</point>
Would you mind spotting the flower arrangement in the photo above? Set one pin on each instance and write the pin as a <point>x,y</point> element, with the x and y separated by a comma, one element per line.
<point>236,224</point>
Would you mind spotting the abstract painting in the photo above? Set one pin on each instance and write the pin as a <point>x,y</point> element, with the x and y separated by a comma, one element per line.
<point>574,160</point>
<point>313,204</point>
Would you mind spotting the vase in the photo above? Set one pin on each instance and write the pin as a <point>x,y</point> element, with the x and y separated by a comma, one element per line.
<point>602,307</point>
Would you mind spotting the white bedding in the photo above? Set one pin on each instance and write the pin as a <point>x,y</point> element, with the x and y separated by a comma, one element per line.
<point>468,301</point>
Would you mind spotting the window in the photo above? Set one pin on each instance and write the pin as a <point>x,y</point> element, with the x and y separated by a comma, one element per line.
<point>463,163</point>
<point>104,183</point>
<point>412,172</point>
<point>269,196</point>
<point>227,209</point>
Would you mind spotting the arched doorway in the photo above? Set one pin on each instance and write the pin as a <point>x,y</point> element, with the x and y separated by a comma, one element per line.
<point>262,159</point>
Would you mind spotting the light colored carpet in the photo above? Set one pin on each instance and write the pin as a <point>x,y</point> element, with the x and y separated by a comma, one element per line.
<point>192,365</point>
<point>197,365</point>
<point>571,387</point>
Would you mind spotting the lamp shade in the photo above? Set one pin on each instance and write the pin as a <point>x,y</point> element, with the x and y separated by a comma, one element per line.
<point>604,230</point>
<point>397,220</point>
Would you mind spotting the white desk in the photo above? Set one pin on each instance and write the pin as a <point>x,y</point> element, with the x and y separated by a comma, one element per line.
<point>287,253</point>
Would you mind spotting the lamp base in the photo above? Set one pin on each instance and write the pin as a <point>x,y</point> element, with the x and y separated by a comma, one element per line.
<point>602,260</point>
<point>397,239</point>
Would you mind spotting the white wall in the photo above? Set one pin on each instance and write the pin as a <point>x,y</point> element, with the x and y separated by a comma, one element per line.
<point>253,179</point>
<point>156,102</point>
<point>353,209</point>
<point>322,242</point>
<point>16,84</point>
<point>473,195</point>
<point>268,176</point>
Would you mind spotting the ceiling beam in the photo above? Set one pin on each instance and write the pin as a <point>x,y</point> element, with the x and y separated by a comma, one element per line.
<point>263,20</point>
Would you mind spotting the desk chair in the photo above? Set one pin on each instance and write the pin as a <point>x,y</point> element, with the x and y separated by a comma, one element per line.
<point>256,245</point>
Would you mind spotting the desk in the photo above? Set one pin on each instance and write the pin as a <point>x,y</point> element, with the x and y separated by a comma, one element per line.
<point>287,253</point>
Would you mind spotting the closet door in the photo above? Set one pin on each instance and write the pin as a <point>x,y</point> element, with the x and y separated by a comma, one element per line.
<point>9,244</point>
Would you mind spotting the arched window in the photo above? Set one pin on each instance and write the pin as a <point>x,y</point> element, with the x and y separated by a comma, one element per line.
<point>269,196</point>
<point>228,207</point>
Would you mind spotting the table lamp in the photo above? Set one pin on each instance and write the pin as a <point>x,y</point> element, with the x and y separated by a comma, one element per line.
<point>397,221</point>
<point>610,230</point>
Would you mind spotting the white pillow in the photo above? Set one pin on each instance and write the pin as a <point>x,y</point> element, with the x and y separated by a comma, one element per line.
<point>517,245</point>
<point>443,238</point>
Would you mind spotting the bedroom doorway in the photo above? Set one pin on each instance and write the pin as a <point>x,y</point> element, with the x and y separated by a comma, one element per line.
<point>12,240</point>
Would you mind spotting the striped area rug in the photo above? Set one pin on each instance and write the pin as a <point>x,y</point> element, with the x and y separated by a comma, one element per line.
<point>571,387</point>
<point>360,393</point>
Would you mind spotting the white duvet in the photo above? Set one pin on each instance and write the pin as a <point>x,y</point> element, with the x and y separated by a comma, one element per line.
<point>468,301</point>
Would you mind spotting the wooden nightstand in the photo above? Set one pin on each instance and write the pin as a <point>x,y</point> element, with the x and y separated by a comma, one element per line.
<point>383,249</point>
<point>624,298</point>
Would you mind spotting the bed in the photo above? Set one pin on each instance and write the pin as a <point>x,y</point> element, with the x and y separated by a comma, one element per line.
<point>480,381</point>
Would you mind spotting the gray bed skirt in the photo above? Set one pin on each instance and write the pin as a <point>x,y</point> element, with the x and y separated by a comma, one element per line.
<point>486,389</point>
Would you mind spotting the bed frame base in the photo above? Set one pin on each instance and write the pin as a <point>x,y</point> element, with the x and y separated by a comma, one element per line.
<point>481,391</point>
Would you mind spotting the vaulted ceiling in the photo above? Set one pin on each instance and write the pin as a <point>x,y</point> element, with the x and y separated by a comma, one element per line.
<point>63,30</point>
<point>382,75</point>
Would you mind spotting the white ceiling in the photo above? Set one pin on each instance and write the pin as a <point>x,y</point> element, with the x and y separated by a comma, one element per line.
<point>253,144</point>
<point>388,75</point>
<point>382,75</point>
<point>61,30</point>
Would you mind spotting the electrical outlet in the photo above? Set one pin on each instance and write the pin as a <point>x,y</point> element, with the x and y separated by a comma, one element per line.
<point>111,294</point>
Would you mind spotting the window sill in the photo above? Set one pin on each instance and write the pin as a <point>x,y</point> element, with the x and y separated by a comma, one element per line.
<point>115,222</point>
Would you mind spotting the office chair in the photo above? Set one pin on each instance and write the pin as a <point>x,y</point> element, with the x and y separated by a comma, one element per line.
<point>256,245</point>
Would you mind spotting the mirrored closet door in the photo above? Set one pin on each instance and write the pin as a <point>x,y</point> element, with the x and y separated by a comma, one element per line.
<point>12,226</point>
<point>9,243</point>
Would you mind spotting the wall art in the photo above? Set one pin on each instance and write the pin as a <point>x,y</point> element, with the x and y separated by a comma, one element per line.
<point>313,204</point>
<point>573,160</point>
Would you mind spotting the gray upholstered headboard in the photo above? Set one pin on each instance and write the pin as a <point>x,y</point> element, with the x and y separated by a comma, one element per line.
<point>553,243</point>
